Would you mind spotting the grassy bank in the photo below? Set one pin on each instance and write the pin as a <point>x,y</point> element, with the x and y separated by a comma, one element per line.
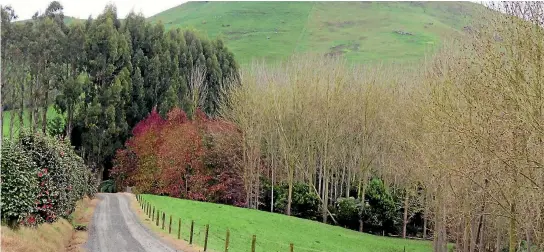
<point>273,231</point>
<point>52,237</point>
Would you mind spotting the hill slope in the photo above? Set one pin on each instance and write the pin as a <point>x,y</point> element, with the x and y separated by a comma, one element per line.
<point>362,31</point>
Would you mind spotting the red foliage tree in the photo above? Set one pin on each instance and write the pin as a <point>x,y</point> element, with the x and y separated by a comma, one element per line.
<point>193,159</point>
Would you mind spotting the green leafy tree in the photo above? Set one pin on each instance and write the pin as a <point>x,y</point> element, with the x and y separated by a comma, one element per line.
<point>380,211</point>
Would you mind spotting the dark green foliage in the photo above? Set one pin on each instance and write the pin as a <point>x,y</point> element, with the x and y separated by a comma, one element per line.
<point>42,179</point>
<point>107,186</point>
<point>305,203</point>
<point>19,184</point>
<point>348,212</point>
<point>380,210</point>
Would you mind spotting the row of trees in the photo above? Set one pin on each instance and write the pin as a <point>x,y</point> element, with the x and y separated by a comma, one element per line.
<point>317,121</point>
<point>460,139</point>
<point>105,74</point>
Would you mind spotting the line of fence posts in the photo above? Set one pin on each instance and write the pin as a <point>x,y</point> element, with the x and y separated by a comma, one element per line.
<point>151,210</point>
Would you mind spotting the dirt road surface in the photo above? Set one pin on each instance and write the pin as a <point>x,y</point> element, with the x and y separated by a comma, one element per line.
<point>116,228</point>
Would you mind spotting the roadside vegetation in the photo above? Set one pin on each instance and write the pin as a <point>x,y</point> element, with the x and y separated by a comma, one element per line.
<point>46,195</point>
<point>62,235</point>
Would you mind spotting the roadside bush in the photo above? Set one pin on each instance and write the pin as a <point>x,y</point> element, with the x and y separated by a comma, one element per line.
<point>46,172</point>
<point>19,184</point>
<point>53,175</point>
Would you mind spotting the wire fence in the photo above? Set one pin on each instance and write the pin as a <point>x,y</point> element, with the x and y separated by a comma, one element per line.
<point>216,239</point>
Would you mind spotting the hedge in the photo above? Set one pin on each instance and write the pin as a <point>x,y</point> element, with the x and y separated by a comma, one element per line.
<point>46,178</point>
<point>19,184</point>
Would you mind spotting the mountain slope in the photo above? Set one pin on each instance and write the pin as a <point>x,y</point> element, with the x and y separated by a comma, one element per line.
<point>362,31</point>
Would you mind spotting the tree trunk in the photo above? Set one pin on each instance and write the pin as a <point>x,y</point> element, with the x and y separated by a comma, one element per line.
<point>466,234</point>
<point>12,115</point>
<point>405,218</point>
<point>44,117</point>
<point>342,181</point>
<point>69,124</point>
<point>44,112</point>
<point>528,239</point>
<point>348,184</point>
<point>498,241</point>
<point>290,193</point>
<point>362,197</point>
<point>440,242</point>
<point>481,239</point>
<point>473,235</point>
<point>425,225</point>
<point>326,195</point>
<point>319,181</point>
<point>289,197</point>
<point>257,188</point>
<point>22,106</point>
<point>272,186</point>
<point>512,239</point>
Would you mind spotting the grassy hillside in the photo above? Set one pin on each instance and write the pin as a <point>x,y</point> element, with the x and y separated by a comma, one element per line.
<point>274,232</point>
<point>362,31</point>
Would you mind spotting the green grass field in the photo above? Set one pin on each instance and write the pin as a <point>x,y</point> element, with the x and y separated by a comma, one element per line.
<point>364,32</point>
<point>274,231</point>
<point>51,113</point>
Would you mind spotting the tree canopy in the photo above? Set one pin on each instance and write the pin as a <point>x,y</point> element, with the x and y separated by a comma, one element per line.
<point>104,75</point>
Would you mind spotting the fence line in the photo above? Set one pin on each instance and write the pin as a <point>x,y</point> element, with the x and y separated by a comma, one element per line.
<point>200,234</point>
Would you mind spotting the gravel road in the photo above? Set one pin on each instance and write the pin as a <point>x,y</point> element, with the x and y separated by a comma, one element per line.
<point>115,227</point>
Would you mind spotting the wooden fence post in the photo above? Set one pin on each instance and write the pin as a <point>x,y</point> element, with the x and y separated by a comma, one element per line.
<point>170,225</point>
<point>191,235</point>
<point>206,237</point>
<point>179,228</point>
<point>158,218</point>
<point>153,214</point>
<point>163,217</point>
<point>291,249</point>
<point>253,240</point>
<point>227,241</point>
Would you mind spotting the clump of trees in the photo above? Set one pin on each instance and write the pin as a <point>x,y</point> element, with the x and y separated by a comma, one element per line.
<point>104,75</point>
<point>312,120</point>
<point>457,142</point>
<point>194,158</point>
<point>42,179</point>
